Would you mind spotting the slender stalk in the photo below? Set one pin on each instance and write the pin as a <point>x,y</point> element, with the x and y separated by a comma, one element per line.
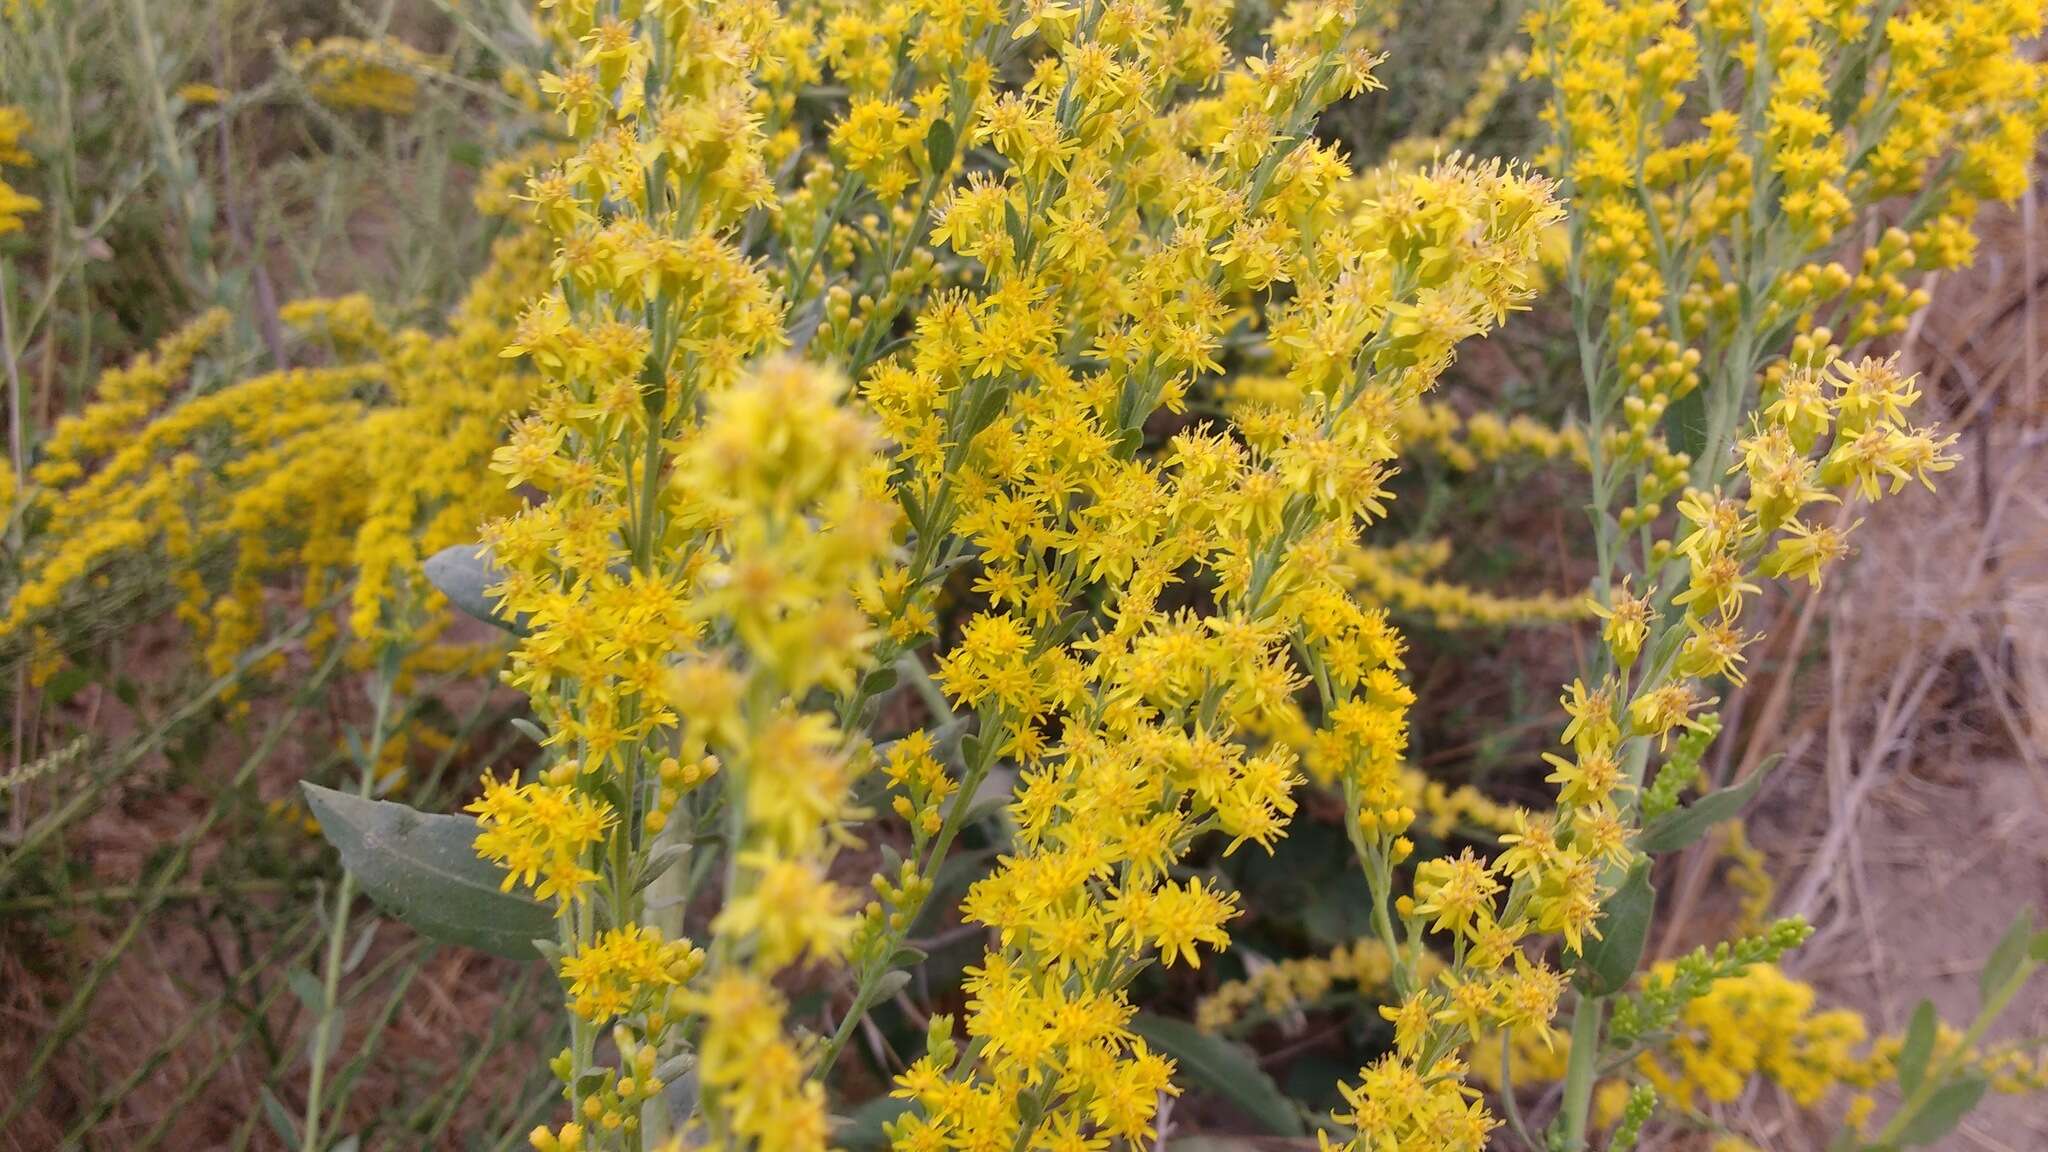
<point>1942,1074</point>
<point>1579,1073</point>
<point>344,896</point>
<point>17,448</point>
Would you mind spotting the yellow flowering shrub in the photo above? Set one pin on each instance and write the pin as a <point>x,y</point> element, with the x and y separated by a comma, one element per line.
<point>343,476</point>
<point>890,426</point>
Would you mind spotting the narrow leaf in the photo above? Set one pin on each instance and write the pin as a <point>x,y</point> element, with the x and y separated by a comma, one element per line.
<point>862,1131</point>
<point>659,862</point>
<point>879,681</point>
<point>2006,957</point>
<point>1675,830</point>
<point>938,146</point>
<point>1606,963</point>
<point>361,948</point>
<point>803,327</point>
<point>280,1120</point>
<point>889,985</point>
<point>308,989</point>
<point>1223,1067</point>
<point>1942,1112</point>
<point>1020,237</point>
<point>424,870</point>
<point>462,573</point>
<point>1917,1047</point>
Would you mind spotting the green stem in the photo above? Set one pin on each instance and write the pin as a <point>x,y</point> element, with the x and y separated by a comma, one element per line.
<point>337,934</point>
<point>871,977</point>
<point>1579,1074</point>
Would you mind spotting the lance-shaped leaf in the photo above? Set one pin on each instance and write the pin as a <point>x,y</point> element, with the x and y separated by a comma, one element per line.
<point>423,869</point>
<point>1223,1067</point>
<point>1610,959</point>
<point>462,574</point>
<point>1675,830</point>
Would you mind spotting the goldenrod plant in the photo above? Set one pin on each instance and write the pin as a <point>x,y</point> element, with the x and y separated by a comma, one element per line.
<point>930,463</point>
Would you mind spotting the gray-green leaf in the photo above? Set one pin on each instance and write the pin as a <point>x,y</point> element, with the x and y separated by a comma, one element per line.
<point>1942,1112</point>
<point>862,1131</point>
<point>1675,830</point>
<point>2006,956</point>
<point>462,573</point>
<point>1225,1068</point>
<point>280,1118</point>
<point>1917,1047</point>
<point>938,146</point>
<point>423,869</point>
<point>1607,962</point>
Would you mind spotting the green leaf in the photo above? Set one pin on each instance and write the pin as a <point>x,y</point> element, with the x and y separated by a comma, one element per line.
<point>879,681</point>
<point>1917,1047</point>
<point>863,1129</point>
<point>1606,963</point>
<point>462,572</point>
<point>938,147</point>
<point>1020,237</point>
<point>424,870</point>
<point>361,948</point>
<point>1685,423</point>
<point>308,989</point>
<point>889,985</point>
<point>66,684</point>
<point>1225,1068</point>
<point>1942,1112</point>
<point>2005,958</point>
<point>280,1119</point>
<point>680,1089</point>
<point>659,861</point>
<point>803,327</point>
<point>1675,830</point>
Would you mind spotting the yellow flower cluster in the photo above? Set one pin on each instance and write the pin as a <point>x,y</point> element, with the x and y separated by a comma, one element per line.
<point>1715,154</point>
<point>14,205</point>
<point>1647,224</point>
<point>1760,1023</point>
<point>1295,984</point>
<point>1467,443</point>
<point>693,563</point>
<point>540,834</point>
<point>1751,1024</point>
<point>1109,261</point>
<point>1712,154</point>
<point>381,75</point>
<point>344,477</point>
<point>1765,1024</point>
<point>853,342</point>
<point>1401,579</point>
<point>1848,433</point>
<point>623,969</point>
